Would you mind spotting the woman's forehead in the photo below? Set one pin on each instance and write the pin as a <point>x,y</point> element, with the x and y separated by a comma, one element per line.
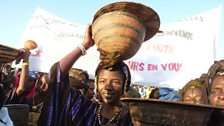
<point>193,90</point>
<point>218,80</point>
<point>105,73</point>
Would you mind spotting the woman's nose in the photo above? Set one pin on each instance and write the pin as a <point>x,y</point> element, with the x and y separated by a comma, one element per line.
<point>108,86</point>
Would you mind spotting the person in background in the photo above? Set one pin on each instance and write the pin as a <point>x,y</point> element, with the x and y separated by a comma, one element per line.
<point>5,119</point>
<point>37,100</point>
<point>7,78</point>
<point>132,93</point>
<point>215,91</point>
<point>23,83</point>
<point>90,93</point>
<point>216,83</point>
<point>152,93</point>
<point>194,91</point>
<point>78,79</point>
<point>43,86</point>
<point>7,81</point>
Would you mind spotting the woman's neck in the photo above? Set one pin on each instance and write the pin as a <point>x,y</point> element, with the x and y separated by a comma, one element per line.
<point>109,110</point>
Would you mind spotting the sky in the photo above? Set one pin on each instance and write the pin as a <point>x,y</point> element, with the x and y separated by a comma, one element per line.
<point>15,14</point>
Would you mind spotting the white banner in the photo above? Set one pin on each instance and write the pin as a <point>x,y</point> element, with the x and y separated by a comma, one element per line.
<point>55,38</point>
<point>182,52</point>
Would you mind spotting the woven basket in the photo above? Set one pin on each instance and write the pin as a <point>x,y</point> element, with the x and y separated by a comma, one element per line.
<point>18,114</point>
<point>145,112</point>
<point>123,26</point>
<point>8,54</point>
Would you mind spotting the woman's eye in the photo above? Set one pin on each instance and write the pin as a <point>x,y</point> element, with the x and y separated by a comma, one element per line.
<point>215,91</point>
<point>115,82</point>
<point>101,81</point>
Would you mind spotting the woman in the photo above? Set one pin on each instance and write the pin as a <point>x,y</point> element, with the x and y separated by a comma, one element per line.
<point>14,95</point>
<point>216,83</point>
<point>64,106</point>
<point>216,96</point>
<point>23,82</point>
<point>215,89</point>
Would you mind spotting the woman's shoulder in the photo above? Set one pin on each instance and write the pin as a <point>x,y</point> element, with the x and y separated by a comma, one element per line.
<point>125,111</point>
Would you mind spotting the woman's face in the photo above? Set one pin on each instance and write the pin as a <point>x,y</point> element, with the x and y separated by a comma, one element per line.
<point>216,97</point>
<point>110,85</point>
<point>193,95</point>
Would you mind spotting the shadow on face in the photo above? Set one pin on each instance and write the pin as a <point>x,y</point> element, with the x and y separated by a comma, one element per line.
<point>193,95</point>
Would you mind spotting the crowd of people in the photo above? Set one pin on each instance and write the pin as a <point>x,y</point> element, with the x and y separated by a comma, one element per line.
<point>70,96</point>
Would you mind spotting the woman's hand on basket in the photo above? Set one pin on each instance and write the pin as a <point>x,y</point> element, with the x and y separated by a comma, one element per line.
<point>88,40</point>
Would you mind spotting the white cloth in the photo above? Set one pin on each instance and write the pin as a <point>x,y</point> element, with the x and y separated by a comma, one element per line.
<point>4,116</point>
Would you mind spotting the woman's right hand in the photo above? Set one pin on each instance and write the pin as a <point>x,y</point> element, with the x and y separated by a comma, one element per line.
<point>88,40</point>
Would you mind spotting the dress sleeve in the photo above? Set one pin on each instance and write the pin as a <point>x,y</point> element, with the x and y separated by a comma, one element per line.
<point>55,97</point>
<point>63,105</point>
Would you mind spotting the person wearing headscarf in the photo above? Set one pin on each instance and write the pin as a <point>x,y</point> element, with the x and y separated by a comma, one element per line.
<point>66,106</point>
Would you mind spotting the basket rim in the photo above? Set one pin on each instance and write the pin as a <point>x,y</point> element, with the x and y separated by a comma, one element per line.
<point>140,100</point>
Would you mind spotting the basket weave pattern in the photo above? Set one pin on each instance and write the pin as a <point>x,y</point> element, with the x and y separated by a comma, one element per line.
<point>123,26</point>
<point>118,31</point>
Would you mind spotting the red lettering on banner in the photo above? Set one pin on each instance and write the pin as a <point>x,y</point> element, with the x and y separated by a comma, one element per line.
<point>141,66</point>
<point>152,67</point>
<point>162,48</point>
<point>37,53</point>
<point>136,66</point>
<point>171,66</point>
<point>163,66</point>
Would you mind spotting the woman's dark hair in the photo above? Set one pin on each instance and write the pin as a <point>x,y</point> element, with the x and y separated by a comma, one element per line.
<point>78,78</point>
<point>121,67</point>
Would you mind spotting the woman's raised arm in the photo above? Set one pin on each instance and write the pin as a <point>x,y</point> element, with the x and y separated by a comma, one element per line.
<point>67,62</point>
